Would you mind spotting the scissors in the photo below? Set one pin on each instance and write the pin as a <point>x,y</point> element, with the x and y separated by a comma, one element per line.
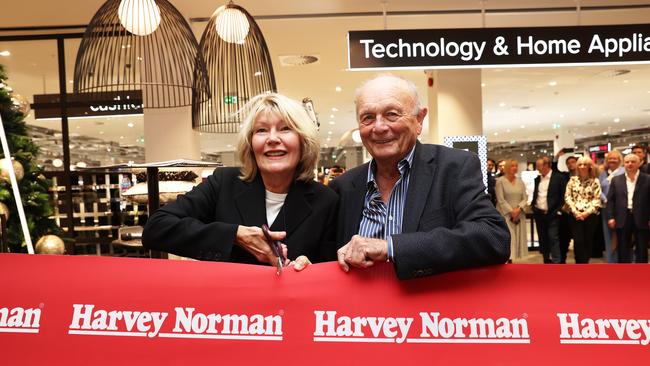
<point>276,247</point>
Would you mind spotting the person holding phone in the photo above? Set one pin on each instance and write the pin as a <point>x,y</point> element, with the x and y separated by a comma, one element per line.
<point>511,201</point>
<point>222,218</point>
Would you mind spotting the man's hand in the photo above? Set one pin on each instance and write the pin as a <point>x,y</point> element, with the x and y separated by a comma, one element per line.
<point>612,224</point>
<point>362,252</point>
<point>252,239</point>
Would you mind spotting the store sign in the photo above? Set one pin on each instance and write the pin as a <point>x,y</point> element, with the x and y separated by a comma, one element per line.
<point>486,47</point>
<point>47,106</point>
<point>98,310</point>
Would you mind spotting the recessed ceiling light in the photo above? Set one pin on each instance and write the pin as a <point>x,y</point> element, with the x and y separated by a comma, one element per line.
<point>617,120</point>
<point>121,137</point>
<point>332,122</point>
<point>508,130</point>
<point>130,124</point>
<point>502,104</point>
<point>483,85</point>
<point>229,146</point>
<point>334,109</point>
<point>561,115</point>
<point>583,109</point>
<point>605,133</point>
<point>101,132</point>
<point>496,134</point>
<point>552,83</point>
<point>331,116</point>
<point>623,130</point>
<point>338,89</point>
<point>5,53</point>
<point>626,81</point>
<point>329,132</point>
<point>522,126</point>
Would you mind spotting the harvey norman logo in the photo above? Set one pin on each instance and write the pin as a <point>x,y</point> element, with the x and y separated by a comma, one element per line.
<point>20,320</point>
<point>577,330</point>
<point>434,328</point>
<point>187,323</point>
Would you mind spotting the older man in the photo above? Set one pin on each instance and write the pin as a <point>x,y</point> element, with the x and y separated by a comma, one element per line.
<point>628,211</point>
<point>422,207</point>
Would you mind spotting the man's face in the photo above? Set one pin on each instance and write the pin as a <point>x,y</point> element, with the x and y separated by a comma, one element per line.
<point>639,152</point>
<point>387,125</point>
<point>502,165</point>
<point>571,164</point>
<point>613,162</point>
<point>490,166</point>
<point>541,167</point>
<point>632,163</point>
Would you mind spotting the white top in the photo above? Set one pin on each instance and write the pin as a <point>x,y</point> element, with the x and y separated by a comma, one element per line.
<point>542,192</point>
<point>631,183</point>
<point>274,202</point>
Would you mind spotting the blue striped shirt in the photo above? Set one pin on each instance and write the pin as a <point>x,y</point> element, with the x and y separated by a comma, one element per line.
<point>380,220</point>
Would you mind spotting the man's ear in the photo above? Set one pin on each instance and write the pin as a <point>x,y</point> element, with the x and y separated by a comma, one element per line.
<point>420,117</point>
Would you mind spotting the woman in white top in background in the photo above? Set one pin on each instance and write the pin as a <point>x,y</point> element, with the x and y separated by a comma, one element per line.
<point>511,201</point>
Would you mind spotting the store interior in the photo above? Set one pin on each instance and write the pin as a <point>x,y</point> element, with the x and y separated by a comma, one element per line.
<point>525,110</point>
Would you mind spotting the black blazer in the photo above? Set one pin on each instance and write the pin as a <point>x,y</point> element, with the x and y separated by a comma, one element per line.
<point>202,224</point>
<point>449,222</point>
<point>555,194</point>
<point>617,201</point>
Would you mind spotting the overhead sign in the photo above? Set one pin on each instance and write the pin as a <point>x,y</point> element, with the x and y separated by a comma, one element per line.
<point>493,47</point>
<point>152,312</point>
<point>47,106</point>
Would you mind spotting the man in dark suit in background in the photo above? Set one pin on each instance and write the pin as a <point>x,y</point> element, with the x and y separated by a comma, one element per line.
<point>422,207</point>
<point>548,199</point>
<point>628,211</point>
<point>640,151</point>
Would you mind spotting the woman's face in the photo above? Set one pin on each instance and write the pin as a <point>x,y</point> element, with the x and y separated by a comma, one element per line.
<point>583,169</point>
<point>276,146</point>
<point>513,169</point>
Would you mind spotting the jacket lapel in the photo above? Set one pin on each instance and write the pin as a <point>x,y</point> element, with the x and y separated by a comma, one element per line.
<point>420,180</point>
<point>296,208</point>
<point>356,196</point>
<point>251,202</point>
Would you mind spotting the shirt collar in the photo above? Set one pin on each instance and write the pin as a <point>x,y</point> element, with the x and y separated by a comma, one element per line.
<point>403,166</point>
<point>630,178</point>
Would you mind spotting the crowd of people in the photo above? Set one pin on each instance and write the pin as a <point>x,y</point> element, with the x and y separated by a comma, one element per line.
<point>602,208</point>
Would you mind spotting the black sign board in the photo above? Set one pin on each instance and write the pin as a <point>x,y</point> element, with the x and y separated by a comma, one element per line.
<point>485,47</point>
<point>81,105</point>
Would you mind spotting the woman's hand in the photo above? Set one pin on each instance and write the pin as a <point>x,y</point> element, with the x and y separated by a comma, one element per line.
<point>300,263</point>
<point>252,239</point>
<point>514,214</point>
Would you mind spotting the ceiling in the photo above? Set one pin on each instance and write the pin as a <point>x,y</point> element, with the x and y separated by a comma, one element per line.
<point>519,103</point>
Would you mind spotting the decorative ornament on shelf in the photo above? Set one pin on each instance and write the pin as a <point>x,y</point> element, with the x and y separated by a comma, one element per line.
<point>50,244</point>
<point>4,211</point>
<point>21,103</point>
<point>18,170</point>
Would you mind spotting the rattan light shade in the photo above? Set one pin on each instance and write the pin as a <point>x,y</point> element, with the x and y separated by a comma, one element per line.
<point>238,65</point>
<point>157,54</point>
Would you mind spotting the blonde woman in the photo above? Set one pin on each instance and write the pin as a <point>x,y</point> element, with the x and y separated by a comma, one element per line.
<point>221,219</point>
<point>511,201</point>
<point>582,196</point>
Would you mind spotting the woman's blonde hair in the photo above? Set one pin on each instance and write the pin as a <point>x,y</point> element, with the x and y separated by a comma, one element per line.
<point>593,169</point>
<point>508,163</point>
<point>296,118</point>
